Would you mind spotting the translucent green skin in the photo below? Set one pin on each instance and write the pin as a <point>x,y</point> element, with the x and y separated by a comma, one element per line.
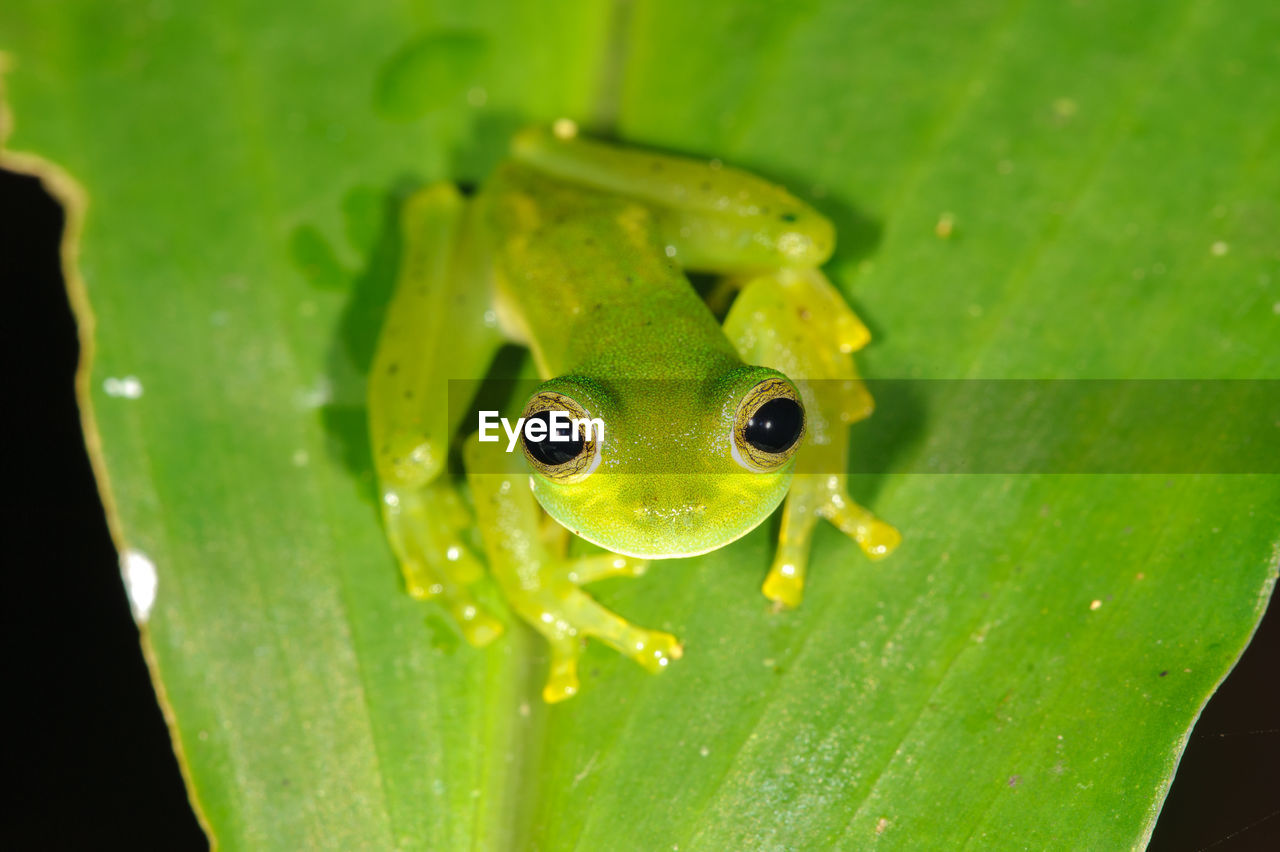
<point>577,250</point>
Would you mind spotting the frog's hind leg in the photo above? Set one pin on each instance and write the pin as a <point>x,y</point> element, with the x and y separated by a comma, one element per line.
<point>796,322</point>
<point>542,586</point>
<point>710,217</point>
<point>435,330</point>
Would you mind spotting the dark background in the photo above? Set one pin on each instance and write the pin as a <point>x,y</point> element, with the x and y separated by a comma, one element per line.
<point>87,752</point>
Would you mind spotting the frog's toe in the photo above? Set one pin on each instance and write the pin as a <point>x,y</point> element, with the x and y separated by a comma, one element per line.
<point>652,649</point>
<point>478,627</point>
<point>785,583</point>
<point>655,650</point>
<point>876,538</point>
<point>425,581</point>
<point>560,688</point>
<point>562,679</point>
<point>417,582</point>
<point>880,539</point>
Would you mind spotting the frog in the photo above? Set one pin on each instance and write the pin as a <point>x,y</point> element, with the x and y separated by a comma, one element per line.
<point>580,250</point>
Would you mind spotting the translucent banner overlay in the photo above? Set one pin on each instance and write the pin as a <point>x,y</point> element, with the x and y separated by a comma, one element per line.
<point>969,426</point>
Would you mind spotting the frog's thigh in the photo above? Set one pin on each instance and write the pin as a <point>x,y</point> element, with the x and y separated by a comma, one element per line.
<point>542,587</point>
<point>434,330</point>
<point>712,217</point>
<point>794,321</point>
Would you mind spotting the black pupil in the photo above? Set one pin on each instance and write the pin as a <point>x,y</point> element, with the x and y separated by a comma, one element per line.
<point>775,426</point>
<point>558,449</point>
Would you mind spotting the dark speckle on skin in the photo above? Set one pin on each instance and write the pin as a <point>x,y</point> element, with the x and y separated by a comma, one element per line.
<point>657,166</point>
<point>706,186</point>
<point>1163,673</point>
<point>392,369</point>
<point>788,217</point>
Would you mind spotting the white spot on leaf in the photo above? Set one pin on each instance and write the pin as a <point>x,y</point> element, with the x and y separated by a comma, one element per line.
<point>140,582</point>
<point>319,394</point>
<point>129,387</point>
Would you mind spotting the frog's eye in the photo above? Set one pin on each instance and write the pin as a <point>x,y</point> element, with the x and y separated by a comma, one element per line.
<point>560,439</point>
<point>768,426</point>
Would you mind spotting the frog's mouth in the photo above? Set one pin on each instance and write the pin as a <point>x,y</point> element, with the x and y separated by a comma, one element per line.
<point>664,547</point>
<point>661,522</point>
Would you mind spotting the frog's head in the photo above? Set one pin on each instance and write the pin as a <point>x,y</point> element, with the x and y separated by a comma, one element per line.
<point>681,468</point>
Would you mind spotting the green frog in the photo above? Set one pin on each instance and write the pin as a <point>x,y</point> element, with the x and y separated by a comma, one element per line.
<point>693,431</point>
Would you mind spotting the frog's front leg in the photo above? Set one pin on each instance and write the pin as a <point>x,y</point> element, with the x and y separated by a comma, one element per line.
<point>796,322</point>
<point>543,586</point>
<point>435,329</point>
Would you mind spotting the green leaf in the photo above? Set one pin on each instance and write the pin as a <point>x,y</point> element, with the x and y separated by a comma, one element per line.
<point>1022,191</point>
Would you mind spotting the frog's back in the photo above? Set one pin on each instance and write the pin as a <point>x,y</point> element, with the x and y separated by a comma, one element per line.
<point>584,280</point>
